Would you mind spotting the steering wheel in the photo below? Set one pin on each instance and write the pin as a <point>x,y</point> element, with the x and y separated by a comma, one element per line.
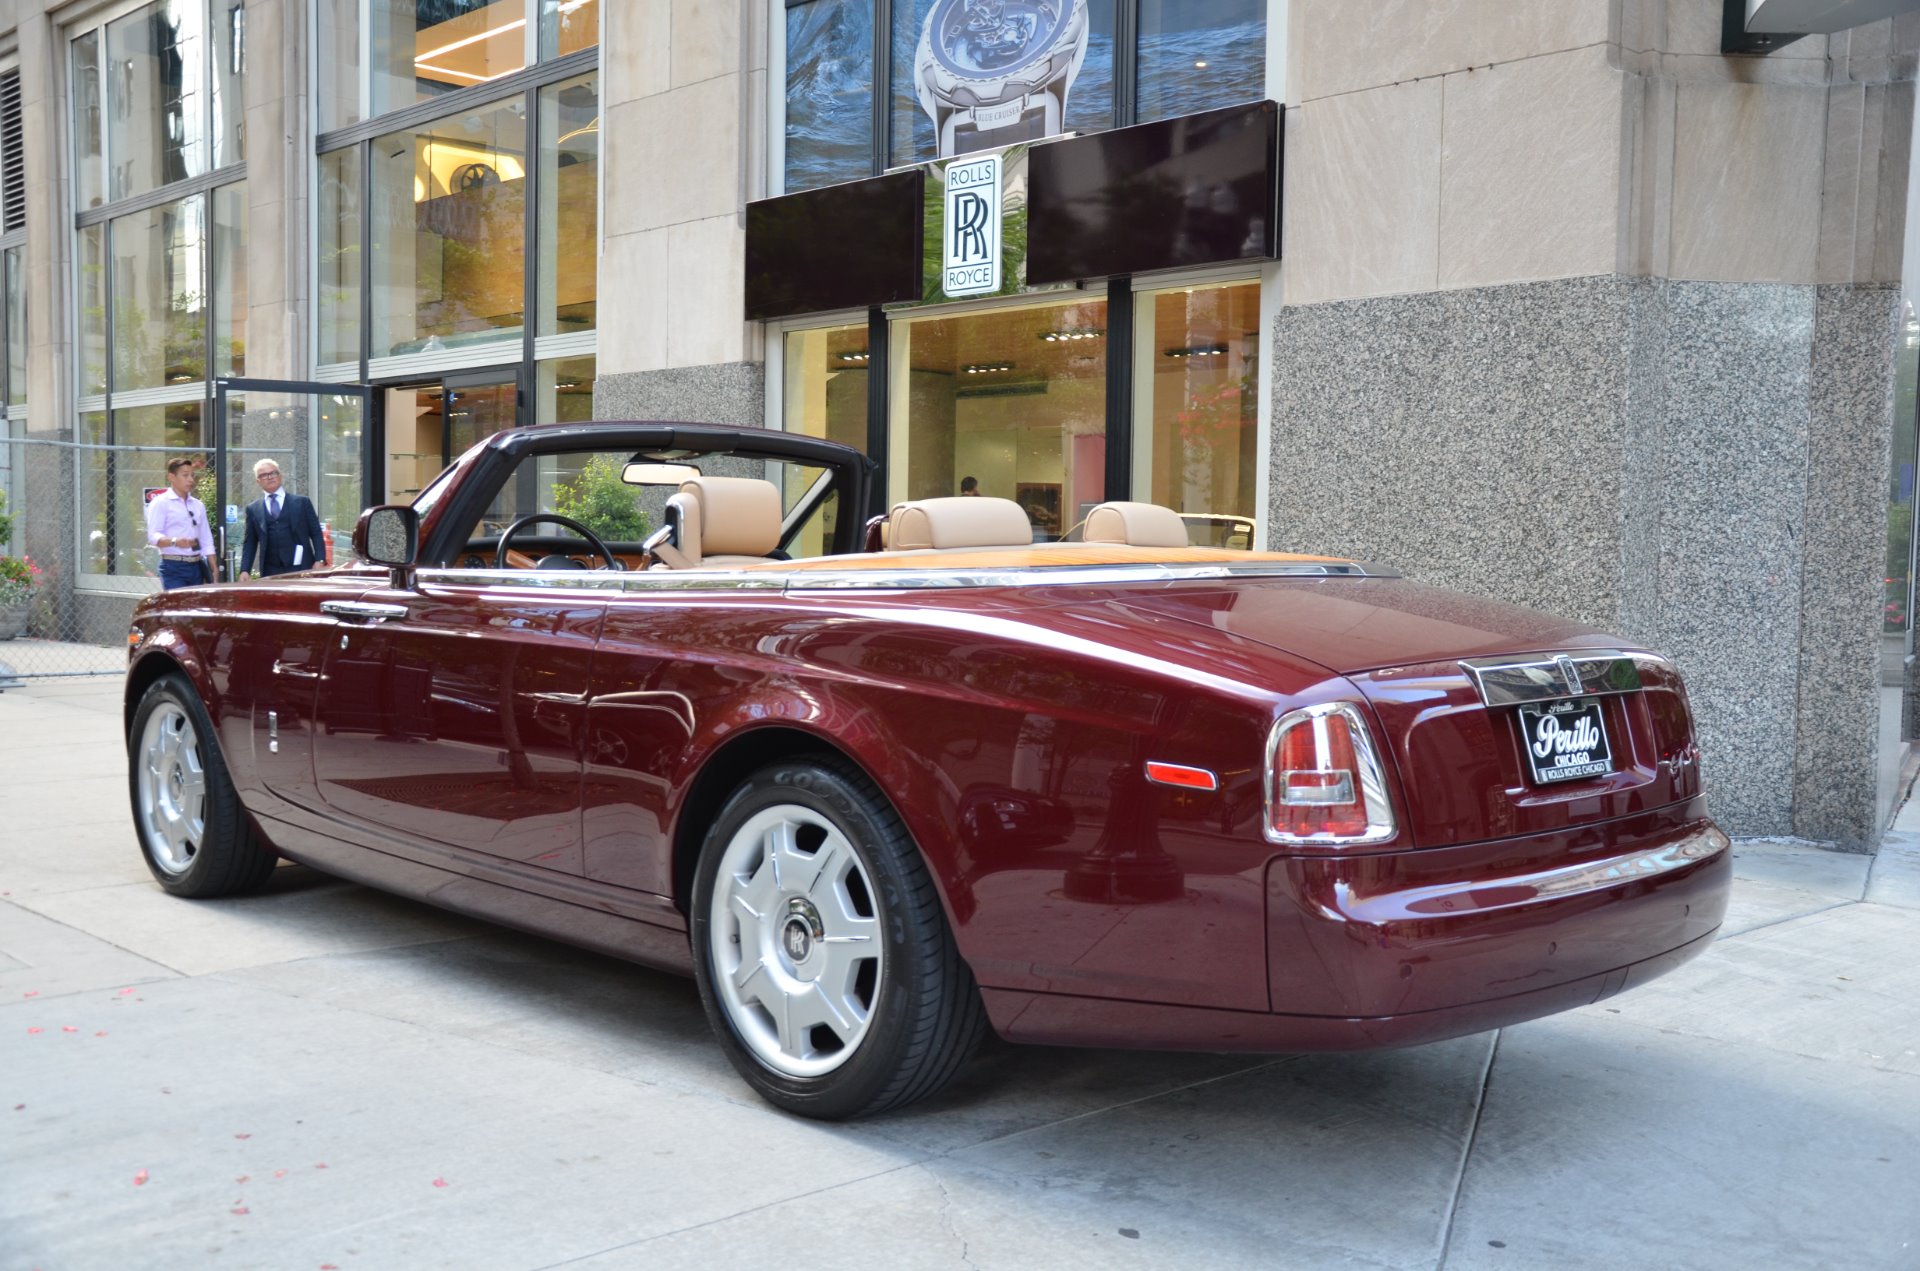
<point>593,540</point>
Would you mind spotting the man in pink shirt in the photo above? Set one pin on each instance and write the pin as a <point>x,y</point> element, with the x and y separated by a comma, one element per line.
<point>177,525</point>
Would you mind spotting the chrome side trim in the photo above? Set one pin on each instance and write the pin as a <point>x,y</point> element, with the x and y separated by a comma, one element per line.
<point>905,578</point>
<point>1546,677</point>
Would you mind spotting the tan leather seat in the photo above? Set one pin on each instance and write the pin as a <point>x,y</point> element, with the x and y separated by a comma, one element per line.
<point>1136,525</point>
<point>723,521</point>
<point>957,522</point>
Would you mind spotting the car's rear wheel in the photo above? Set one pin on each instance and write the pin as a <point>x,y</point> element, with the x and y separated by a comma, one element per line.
<point>192,829</point>
<point>821,950</point>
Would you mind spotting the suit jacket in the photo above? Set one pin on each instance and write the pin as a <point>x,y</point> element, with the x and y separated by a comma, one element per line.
<point>273,541</point>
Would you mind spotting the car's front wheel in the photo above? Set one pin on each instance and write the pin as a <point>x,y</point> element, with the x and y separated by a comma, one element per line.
<point>193,831</point>
<point>821,950</point>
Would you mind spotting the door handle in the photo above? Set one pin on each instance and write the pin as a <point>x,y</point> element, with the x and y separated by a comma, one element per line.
<point>363,611</point>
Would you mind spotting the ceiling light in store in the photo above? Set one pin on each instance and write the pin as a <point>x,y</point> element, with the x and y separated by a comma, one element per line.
<point>471,39</point>
<point>853,357</point>
<point>985,368</point>
<point>1198,350</point>
<point>1085,333</point>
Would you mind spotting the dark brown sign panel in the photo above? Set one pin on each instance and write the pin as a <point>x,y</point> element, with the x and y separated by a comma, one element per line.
<point>840,247</point>
<point>1198,190</point>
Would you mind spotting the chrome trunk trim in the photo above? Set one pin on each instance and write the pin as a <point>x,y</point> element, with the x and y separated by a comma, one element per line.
<point>1546,677</point>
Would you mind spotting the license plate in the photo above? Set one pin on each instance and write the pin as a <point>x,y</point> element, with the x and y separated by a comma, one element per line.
<point>1565,740</point>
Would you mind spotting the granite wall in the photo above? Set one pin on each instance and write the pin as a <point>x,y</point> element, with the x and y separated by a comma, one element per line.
<point>1700,466</point>
<point>726,393</point>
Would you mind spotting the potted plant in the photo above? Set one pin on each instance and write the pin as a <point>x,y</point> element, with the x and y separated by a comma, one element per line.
<point>18,574</point>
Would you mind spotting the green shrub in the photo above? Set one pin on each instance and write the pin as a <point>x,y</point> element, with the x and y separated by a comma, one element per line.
<point>602,502</point>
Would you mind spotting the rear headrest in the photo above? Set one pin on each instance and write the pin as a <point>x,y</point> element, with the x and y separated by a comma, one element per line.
<point>1136,525</point>
<point>959,521</point>
<point>739,516</point>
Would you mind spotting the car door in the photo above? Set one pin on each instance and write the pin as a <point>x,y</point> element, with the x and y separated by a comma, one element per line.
<point>452,715</point>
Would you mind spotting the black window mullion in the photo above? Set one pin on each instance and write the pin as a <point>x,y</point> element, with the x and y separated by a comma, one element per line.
<point>1119,342</point>
<point>879,351</point>
<point>1126,66</point>
<point>882,88</point>
<point>366,257</point>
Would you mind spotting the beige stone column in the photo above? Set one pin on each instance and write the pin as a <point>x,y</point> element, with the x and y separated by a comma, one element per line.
<point>279,170</point>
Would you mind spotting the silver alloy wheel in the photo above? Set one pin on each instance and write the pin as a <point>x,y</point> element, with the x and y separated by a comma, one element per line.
<point>797,954</point>
<point>173,789</point>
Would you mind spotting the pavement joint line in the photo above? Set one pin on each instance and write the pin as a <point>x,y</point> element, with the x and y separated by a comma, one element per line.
<point>1774,922</point>
<point>15,900</point>
<point>751,1209</point>
<point>1466,1152</point>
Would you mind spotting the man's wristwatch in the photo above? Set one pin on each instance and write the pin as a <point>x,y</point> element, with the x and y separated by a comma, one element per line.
<point>995,72</point>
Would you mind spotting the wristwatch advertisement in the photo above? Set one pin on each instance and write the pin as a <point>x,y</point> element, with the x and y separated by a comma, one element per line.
<point>994,72</point>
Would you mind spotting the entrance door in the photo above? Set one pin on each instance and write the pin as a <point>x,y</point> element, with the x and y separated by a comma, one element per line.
<point>315,432</point>
<point>430,424</point>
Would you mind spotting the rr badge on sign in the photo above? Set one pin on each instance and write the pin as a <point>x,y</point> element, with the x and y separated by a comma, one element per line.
<point>972,248</point>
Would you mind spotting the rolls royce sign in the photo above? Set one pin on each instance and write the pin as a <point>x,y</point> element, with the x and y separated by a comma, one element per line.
<point>972,227</point>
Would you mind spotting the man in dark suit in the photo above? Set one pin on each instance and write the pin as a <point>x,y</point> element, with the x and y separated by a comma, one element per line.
<point>282,528</point>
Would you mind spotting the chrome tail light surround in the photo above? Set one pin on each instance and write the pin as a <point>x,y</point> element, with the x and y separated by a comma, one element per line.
<point>1367,768</point>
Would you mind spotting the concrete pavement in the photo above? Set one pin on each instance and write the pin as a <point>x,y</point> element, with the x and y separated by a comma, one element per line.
<point>323,1076</point>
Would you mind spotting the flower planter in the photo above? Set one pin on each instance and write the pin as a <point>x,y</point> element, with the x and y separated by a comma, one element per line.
<point>13,618</point>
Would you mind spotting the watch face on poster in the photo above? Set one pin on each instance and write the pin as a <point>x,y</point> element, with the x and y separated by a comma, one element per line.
<point>996,72</point>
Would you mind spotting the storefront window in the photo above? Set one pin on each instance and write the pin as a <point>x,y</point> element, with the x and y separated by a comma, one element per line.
<point>563,391</point>
<point>826,384</point>
<point>1196,57</point>
<point>339,492</point>
<point>424,48</point>
<point>159,332</point>
<point>337,295</point>
<point>88,155</point>
<point>230,279</point>
<point>92,285</point>
<point>1196,407</point>
<point>337,68</point>
<point>16,330</point>
<point>115,479</point>
<point>567,26</point>
<point>449,232</point>
<point>229,22</point>
<point>157,97</point>
<point>569,232</point>
<point>829,92</point>
<point>969,77</point>
<point>1015,399</point>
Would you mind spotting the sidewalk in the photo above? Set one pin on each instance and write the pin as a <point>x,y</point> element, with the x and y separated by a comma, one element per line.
<point>325,1076</point>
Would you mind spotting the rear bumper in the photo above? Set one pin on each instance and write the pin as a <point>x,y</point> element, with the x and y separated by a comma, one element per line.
<point>1400,948</point>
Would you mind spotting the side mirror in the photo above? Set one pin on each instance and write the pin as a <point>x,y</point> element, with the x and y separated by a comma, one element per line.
<point>389,535</point>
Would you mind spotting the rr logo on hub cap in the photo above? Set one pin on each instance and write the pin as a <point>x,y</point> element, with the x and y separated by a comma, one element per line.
<point>801,929</point>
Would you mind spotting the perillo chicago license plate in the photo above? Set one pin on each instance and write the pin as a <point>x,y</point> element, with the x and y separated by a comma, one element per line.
<point>1565,740</point>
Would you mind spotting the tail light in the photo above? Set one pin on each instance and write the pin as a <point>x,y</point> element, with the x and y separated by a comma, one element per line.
<point>1324,781</point>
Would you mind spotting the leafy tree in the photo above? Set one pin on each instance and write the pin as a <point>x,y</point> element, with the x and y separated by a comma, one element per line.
<point>602,502</point>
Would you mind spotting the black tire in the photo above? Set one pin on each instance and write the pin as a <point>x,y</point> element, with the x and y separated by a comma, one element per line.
<point>924,1018</point>
<point>192,831</point>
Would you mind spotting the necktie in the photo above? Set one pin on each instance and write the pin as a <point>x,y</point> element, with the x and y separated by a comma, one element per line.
<point>273,507</point>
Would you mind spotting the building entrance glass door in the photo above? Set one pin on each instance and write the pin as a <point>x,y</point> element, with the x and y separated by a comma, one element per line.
<point>429,425</point>
<point>315,432</point>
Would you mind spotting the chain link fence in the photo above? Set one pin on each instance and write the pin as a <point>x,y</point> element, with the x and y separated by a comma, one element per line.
<point>68,589</point>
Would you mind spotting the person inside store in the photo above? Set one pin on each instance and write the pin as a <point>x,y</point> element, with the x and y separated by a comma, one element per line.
<point>969,485</point>
<point>177,525</point>
<point>283,530</point>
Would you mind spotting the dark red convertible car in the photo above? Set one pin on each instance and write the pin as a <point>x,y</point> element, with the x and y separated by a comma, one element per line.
<point>882,784</point>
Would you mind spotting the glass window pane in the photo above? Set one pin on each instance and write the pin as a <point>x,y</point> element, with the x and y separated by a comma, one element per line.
<point>1196,57</point>
<point>159,305</point>
<point>569,204</point>
<point>564,391</point>
<point>1196,408</point>
<point>423,48</point>
<point>156,97</point>
<point>229,106</point>
<point>969,76</point>
<point>338,301</point>
<point>449,232</point>
<point>90,178</point>
<point>338,29</point>
<point>567,26</point>
<point>16,330</point>
<point>1015,399</point>
<point>113,510</point>
<point>230,279</point>
<point>829,92</point>
<point>92,283</point>
<point>825,396</point>
<point>339,492</point>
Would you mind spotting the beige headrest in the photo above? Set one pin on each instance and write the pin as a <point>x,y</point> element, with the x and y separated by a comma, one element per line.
<point>1136,525</point>
<point>686,553</point>
<point>739,516</point>
<point>959,521</point>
